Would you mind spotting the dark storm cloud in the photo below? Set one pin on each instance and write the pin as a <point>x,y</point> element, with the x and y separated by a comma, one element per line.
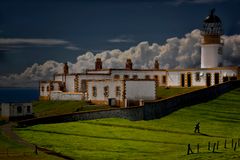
<point>3,55</point>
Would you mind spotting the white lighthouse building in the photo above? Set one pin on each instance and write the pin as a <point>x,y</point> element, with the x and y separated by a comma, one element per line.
<point>120,85</point>
<point>212,44</point>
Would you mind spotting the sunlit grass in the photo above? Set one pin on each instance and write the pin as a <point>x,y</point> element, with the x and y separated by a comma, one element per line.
<point>164,138</point>
<point>163,92</point>
<point>50,108</point>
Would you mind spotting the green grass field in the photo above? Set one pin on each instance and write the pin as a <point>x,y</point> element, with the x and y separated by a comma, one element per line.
<point>164,138</point>
<point>11,150</point>
<point>163,92</point>
<point>50,108</point>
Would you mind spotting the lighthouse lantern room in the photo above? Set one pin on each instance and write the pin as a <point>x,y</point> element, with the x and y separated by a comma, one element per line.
<point>212,44</point>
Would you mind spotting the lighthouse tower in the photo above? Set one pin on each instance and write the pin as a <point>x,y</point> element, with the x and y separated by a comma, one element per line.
<point>212,44</point>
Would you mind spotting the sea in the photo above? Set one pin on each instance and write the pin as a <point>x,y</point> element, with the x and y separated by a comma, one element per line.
<point>18,95</point>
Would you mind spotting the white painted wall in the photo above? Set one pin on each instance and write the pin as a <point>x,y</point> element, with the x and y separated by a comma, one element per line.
<point>140,73</point>
<point>91,77</point>
<point>44,92</point>
<point>174,77</point>
<point>58,78</point>
<point>98,71</point>
<point>100,84</point>
<point>10,109</point>
<point>210,57</point>
<point>55,86</point>
<point>136,90</point>
<point>70,83</point>
<point>58,95</point>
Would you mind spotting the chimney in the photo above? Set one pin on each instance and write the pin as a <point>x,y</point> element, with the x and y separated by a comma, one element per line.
<point>98,64</point>
<point>65,69</point>
<point>156,65</point>
<point>129,64</point>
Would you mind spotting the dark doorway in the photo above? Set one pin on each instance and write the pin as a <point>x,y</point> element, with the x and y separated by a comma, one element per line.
<point>189,79</point>
<point>208,79</point>
<point>233,78</point>
<point>216,78</point>
<point>225,79</point>
<point>182,80</point>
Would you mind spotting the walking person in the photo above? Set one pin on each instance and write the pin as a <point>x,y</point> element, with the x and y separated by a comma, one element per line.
<point>197,128</point>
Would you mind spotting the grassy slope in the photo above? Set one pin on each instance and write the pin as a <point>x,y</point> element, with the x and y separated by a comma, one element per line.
<point>17,151</point>
<point>164,138</point>
<point>49,108</point>
<point>163,92</point>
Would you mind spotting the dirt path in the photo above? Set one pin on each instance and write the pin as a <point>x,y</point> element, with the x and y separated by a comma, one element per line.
<point>8,132</point>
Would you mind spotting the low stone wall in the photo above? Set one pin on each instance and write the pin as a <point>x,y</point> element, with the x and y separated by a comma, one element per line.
<point>133,113</point>
<point>160,108</point>
<point>150,110</point>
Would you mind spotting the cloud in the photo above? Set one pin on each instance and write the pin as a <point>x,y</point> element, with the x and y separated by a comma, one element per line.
<point>175,53</point>
<point>8,43</point>
<point>121,39</point>
<point>73,48</point>
<point>20,41</point>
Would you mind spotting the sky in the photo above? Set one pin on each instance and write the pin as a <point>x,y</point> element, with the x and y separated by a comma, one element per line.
<point>37,36</point>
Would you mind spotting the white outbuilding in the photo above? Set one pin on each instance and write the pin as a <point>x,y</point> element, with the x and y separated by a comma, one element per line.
<point>15,110</point>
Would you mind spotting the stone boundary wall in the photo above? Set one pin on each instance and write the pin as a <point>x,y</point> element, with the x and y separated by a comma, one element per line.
<point>150,110</point>
<point>160,108</point>
<point>133,113</point>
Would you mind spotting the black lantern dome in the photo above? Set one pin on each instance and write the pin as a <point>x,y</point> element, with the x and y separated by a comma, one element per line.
<point>212,25</point>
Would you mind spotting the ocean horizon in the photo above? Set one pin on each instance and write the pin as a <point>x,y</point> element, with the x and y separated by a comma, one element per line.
<point>18,94</point>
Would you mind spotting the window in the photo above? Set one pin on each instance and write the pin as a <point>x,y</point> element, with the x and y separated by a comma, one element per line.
<point>48,88</point>
<point>83,85</point>
<point>42,88</point>
<point>164,79</point>
<point>118,91</point>
<point>233,78</point>
<point>147,77</point>
<point>135,76</point>
<point>94,91</point>
<point>197,76</point>
<point>106,91</point>
<point>126,77</point>
<point>116,76</point>
<point>156,77</point>
<point>52,87</point>
<point>216,78</point>
<point>19,109</point>
<point>28,109</point>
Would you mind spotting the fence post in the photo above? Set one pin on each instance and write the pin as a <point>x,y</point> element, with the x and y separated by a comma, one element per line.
<point>235,146</point>
<point>225,144</point>
<point>197,148</point>
<point>189,150</point>
<point>217,144</point>
<point>214,147</point>
<point>209,145</point>
<point>36,150</point>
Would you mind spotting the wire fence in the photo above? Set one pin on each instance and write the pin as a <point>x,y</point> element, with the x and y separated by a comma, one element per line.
<point>214,146</point>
